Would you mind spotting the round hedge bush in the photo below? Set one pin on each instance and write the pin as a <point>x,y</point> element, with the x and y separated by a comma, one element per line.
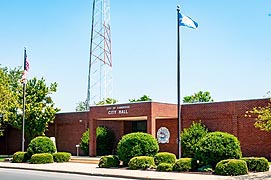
<point>141,162</point>
<point>19,157</point>
<point>217,146</point>
<point>109,161</point>
<point>164,157</point>
<point>105,141</point>
<point>165,167</point>
<point>41,158</point>
<point>61,157</point>
<point>183,164</point>
<point>41,144</point>
<point>231,167</point>
<point>136,144</point>
<point>190,137</point>
<point>257,164</point>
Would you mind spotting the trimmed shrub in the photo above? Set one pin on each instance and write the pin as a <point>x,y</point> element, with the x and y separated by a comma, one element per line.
<point>257,164</point>
<point>109,161</point>
<point>41,144</point>
<point>190,137</point>
<point>183,164</point>
<point>231,167</point>
<point>41,158</point>
<point>105,140</point>
<point>136,144</point>
<point>19,157</point>
<point>165,167</point>
<point>164,157</point>
<point>217,146</point>
<point>84,144</point>
<point>141,162</point>
<point>62,157</point>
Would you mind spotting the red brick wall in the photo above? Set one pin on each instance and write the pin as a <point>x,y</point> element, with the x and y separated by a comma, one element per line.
<point>11,142</point>
<point>219,116</point>
<point>230,117</point>
<point>172,126</point>
<point>68,129</point>
<point>164,110</point>
<point>116,126</point>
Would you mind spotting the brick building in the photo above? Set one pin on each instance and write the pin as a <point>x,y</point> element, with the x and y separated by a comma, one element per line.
<point>151,117</point>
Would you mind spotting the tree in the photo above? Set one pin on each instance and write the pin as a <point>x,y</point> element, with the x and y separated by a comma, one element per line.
<point>143,98</point>
<point>8,99</point>
<point>263,117</point>
<point>198,97</point>
<point>39,109</point>
<point>82,106</point>
<point>107,101</point>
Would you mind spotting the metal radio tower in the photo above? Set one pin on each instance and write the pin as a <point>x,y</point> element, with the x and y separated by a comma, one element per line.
<point>100,83</point>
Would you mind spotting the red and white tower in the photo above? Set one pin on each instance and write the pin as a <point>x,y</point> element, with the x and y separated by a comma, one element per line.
<point>100,85</point>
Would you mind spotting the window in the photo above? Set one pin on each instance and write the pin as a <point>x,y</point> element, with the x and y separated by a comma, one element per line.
<point>139,126</point>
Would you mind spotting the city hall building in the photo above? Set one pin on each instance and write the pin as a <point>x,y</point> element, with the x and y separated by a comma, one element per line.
<point>159,120</point>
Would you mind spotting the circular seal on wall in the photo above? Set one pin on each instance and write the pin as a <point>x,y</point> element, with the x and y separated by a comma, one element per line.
<point>163,135</point>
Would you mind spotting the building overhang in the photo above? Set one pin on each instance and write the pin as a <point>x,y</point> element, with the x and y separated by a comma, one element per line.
<point>166,117</point>
<point>137,118</point>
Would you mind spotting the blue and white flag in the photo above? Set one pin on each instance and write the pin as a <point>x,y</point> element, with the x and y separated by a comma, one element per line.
<point>187,21</point>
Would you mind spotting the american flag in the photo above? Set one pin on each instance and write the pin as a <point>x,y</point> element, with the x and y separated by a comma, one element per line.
<point>26,67</point>
<point>26,63</point>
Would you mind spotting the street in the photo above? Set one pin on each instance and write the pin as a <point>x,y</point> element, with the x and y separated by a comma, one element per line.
<point>15,174</point>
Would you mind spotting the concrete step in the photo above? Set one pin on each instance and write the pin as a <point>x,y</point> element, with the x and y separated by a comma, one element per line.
<point>85,160</point>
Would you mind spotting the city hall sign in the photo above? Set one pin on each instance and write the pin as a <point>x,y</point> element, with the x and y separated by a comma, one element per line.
<point>117,110</point>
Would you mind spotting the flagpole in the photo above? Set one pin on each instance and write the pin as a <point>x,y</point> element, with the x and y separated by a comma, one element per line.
<point>24,89</point>
<point>178,82</point>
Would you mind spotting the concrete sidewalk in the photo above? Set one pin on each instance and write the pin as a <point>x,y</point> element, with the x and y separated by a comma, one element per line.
<point>94,170</point>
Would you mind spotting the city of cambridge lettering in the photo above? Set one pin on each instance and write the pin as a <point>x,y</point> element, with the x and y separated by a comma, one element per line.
<point>117,110</point>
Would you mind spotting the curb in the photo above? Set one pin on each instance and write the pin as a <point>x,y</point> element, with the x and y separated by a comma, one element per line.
<point>83,173</point>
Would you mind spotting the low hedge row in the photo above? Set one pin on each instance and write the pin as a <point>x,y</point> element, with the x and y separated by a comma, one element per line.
<point>41,158</point>
<point>257,164</point>
<point>141,162</point>
<point>228,167</point>
<point>61,157</point>
<point>164,157</point>
<point>165,167</point>
<point>234,167</point>
<point>109,161</point>
<point>183,164</point>
<point>145,162</point>
<point>19,157</point>
<point>231,167</point>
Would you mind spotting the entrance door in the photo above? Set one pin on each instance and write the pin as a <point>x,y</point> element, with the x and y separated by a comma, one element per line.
<point>139,126</point>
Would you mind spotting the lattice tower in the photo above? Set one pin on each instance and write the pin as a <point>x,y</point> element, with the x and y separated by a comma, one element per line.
<point>100,85</point>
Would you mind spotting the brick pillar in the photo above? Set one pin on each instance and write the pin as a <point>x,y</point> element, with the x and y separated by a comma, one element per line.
<point>92,137</point>
<point>151,126</point>
<point>234,120</point>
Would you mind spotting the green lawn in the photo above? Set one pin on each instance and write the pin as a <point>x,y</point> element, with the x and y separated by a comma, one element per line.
<point>3,157</point>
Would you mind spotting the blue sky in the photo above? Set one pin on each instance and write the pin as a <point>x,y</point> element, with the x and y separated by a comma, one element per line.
<point>229,55</point>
